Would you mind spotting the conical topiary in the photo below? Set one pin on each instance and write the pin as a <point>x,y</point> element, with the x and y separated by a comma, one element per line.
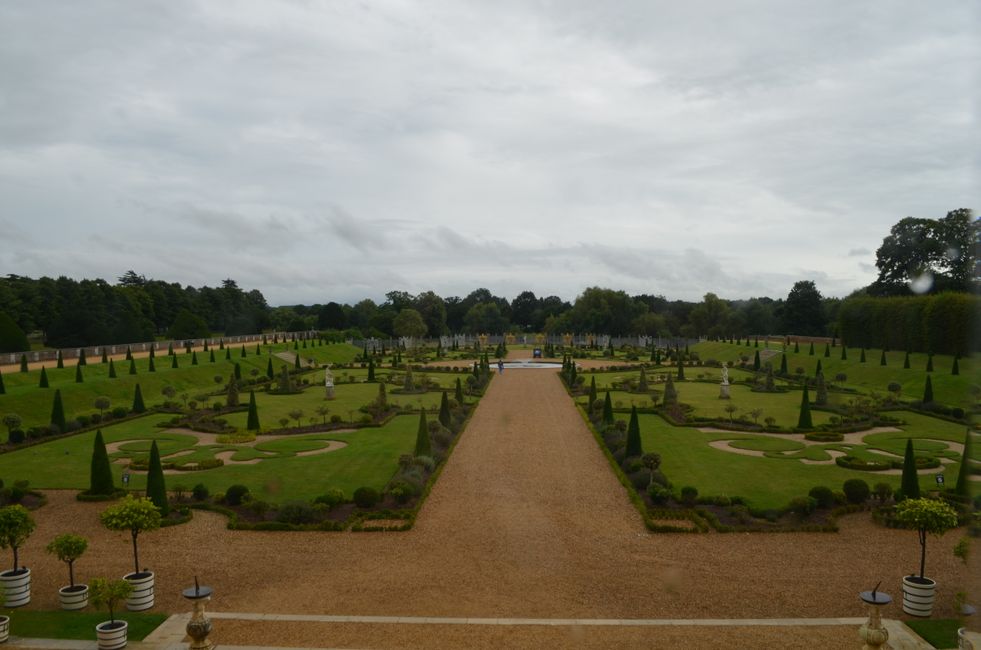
<point>963,486</point>
<point>228,354</point>
<point>827,350</point>
<point>844,353</point>
<point>796,346</point>
<point>783,365</point>
<point>243,353</point>
<point>211,356</point>
<point>911,482</point>
<point>112,369</point>
<point>100,472</point>
<point>634,447</point>
<point>152,367</point>
<point>882,358</point>
<point>156,488</point>
<point>138,405</point>
<point>444,410</point>
<point>78,375</point>
<point>681,368</point>
<point>928,391</point>
<point>23,363</point>
<point>929,367</point>
<point>132,366</point>
<point>43,381</point>
<point>81,357</point>
<point>906,362</point>
<point>296,361</point>
<point>371,369</point>
<point>129,353</point>
<point>173,362</point>
<point>458,391</point>
<point>61,360</point>
<point>269,369</point>
<point>804,419</point>
<point>810,351</point>
<point>3,389</point>
<point>252,423</point>
<point>105,355</point>
<point>756,360</point>
<point>194,358</point>
<point>238,371</point>
<point>955,369</point>
<point>607,409</point>
<point>592,392</point>
<point>423,446</point>
<point>818,370</point>
<point>861,358</point>
<point>58,412</point>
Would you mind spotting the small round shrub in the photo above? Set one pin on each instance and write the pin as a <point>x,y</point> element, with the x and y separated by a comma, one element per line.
<point>334,419</point>
<point>400,494</point>
<point>822,495</point>
<point>659,478</point>
<point>425,462</point>
<point>640,478</point>
<point>365,497</point>
<point>331,498</point>
<point>689,495</point>
<point>200,492</point>
<point>802,506</point>
<point>856,490</point>
<point>882,491</point>
<point>119,412</point>
<point>659,494</point>
<point>17,436</point>
<point>236,494</point>
<point>840,498</point>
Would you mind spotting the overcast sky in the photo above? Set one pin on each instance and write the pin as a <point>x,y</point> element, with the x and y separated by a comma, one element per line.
<point>325,151</point>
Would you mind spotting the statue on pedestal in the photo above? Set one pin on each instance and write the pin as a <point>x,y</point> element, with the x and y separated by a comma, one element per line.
<point>329,382</point>
<point>724,386</point>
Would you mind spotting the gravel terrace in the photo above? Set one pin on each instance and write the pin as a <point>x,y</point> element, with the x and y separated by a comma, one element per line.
<point>526,521</point>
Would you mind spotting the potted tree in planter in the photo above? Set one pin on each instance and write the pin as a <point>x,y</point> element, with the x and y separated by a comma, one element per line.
<point>16,525</point>
<point>68,548</point>
<point>111,634</point>
<point>925,516</point>
<point>135,516</point>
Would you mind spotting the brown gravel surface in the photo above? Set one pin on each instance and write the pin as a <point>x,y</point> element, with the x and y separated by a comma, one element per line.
<point>527,520</point>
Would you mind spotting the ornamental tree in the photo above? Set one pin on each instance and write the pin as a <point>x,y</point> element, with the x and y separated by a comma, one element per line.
<point>925,516</point>
<point>910,484</point>
<point>68,548</point>
<point>107,592</point>
<point>16,525</point>
<point>634,447</point>
<point>423,446</point>
<point>134,516</point>
<point>100,476</point>
<point>156,486</point>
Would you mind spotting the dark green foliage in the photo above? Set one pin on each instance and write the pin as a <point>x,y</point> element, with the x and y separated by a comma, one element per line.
<point>607,409</point>
<point>129,353</point>
<point>955,369</point>
<point>810,352</point>
<point>882,358</point>
<point>138,405</point>
<point>170,349</point>
<point>681,368</point>
<point>641,382</point>
<point>61,360</point>
<point>173,362</point>
<point>423,446</point>
<point>78,375</point>
<point>856,490</point>
<point>371,370</point>
<point>910,485</point>
<point>100,473</point>
<point>928,391</point>
<point>861,358</point>
<point>228,354</point>
<point>821,390</point>
<point>200,492</point>
<point>12,338</point>
<point>238,371</point>
<point>269,369</point>
<point>444,410</point>
<point>58,412</point>
<point>366,497</point>
<point>236,494</point>
<point>187,325</point>
<point>818,370</point>
<point>796,346</point>
<point>823,495</point>
<point>670,393</point>
<point>221,344</point>
<point>243,354</point>
<point>458,391</point>
<point>783,365</point>
<point>132,366</point>
<point>906,362</point>
<point>81,358</point>
<point>804,419</point>
<point>253,419</point>
<point>43,381</point>
<point>592,391</point>
<point>844,352</point>
<point>194,358</point>
<point>756,360</point>
<point>156,488</point>
<point>151,367</point>
<point>296,361</point>
<point>634,447</point>
<point>3,389</point>
<point>23,363</point>
<point>112,369</point>
<point>963,486</point>
<point>211,356</point>
<point>827,350</point>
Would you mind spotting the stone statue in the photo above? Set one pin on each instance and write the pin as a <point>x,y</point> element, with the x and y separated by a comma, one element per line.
<point>329,382</point>
<point>725,374</point>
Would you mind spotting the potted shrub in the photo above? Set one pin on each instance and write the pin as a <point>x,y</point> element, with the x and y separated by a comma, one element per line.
<point>111,634</point>
<point>68,548</point>
<point>925,516</point>
<point>16,525</point>
<point>135,516</point>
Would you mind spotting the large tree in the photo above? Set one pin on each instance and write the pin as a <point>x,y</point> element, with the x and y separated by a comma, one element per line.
<point>803,312</point>
<point>944,248</point>
<point>409,322</point>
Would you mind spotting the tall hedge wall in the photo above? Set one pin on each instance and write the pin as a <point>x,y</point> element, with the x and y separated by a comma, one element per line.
<point>945,323</point>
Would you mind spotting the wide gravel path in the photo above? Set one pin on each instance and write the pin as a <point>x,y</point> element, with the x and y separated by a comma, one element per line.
<point>526,521</point>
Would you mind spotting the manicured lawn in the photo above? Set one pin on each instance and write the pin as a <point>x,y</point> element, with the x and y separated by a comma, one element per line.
<point>78,625</point>
<point>940,633</point>
<point>768,482</point>
<point>370,458</point>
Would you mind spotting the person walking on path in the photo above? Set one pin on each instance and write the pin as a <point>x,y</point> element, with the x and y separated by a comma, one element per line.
<point>500,366</point>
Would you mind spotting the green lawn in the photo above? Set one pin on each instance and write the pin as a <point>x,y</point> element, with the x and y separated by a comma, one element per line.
<point>370,458</point>
<point>770,482</point>
<point>947,388</point>
<point>78,625</point>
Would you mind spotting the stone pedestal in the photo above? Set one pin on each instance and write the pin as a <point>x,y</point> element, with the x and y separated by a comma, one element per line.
<point>872,632</point>
<point>199,627</point>
<point>723,391</point>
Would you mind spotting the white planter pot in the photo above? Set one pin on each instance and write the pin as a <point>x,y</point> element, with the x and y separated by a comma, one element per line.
<point>73,598</point>
<point>142,597</point>
<point>4,628</point>
<point>918,595</point>
<point>16,587</point>
<point>112,635</point>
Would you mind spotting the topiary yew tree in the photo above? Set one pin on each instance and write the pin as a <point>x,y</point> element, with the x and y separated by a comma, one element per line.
<point>58,412</point>
<point>156,487</point>
<point>423,446</point>
<point>134,516</point>
<point>100,475</point>
<point>910,484</point>
<point>804,419</point>
<point>252,423</point>
<point>634,447</point>
<point>607,409</point>
<point>925,516</point>
<point>444,410</point>
<point>16,525</point>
